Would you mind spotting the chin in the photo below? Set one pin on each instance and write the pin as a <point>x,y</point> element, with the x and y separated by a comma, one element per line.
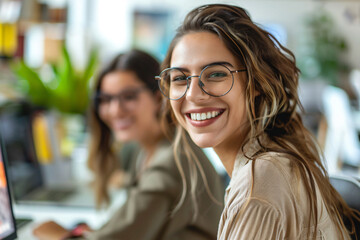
<point>123,138</point>
<point>203,140</point>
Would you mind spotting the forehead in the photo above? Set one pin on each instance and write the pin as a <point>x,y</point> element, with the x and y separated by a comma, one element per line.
<point>117,81</point>
<point>198,49</point>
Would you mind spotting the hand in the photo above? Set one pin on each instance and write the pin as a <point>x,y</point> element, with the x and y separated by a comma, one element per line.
<point>50,231</point>
<point>118,179</point>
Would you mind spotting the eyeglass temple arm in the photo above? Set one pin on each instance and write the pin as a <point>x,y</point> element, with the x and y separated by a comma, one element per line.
<point>240,70</point>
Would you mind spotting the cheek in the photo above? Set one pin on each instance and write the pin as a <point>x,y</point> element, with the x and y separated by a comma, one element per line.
<point>238,109</point>
<point>241,115</point>
<point>103,117</point>
<point>147,112</point>
<point>101,113</point>
<point>175,106</point>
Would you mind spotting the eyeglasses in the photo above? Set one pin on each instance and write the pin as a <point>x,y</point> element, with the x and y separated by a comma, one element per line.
<point>126,98</point>
<point>215,80</point>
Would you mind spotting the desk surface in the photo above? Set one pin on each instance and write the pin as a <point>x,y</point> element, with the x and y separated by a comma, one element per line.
<point>66,215</point>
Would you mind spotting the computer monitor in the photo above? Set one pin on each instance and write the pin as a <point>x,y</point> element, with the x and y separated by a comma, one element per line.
<point>7,221</point>
<point>24,170</point>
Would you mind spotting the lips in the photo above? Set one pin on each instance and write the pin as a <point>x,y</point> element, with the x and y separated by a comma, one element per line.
<point>122,124</point>
<point>203,117</point>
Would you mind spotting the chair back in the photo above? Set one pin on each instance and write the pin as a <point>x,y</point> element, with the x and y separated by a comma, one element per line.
<point>349,188</point>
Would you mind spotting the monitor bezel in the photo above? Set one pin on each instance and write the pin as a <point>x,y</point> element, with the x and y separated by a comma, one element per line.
<point>21,113</point>
<point>13,235</point>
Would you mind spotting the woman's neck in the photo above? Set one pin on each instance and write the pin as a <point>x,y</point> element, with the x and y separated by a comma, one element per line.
<point>149,144</point>
<point>228,150</point>
<point>227,157</point>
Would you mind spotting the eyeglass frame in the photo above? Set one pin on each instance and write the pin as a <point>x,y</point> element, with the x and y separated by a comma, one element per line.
<point>200,83</point>
<point>117,96</point>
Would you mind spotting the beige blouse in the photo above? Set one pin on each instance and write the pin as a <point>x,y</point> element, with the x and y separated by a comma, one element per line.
<point>278,207</point>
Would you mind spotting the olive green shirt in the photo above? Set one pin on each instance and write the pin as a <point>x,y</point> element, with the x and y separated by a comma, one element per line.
<point>152,196</point>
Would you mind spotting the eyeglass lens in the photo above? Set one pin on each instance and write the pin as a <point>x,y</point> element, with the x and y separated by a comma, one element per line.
<point>215,80</point>
<point>127,99</point>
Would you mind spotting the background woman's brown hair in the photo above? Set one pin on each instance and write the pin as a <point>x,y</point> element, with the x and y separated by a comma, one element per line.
<point>102,159</point>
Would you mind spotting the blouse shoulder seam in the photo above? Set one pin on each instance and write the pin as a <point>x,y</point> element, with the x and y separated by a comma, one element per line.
<point>237,207</point>
<point>284,174</point>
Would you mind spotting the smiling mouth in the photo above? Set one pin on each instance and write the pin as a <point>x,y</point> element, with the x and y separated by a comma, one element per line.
<point>122,124</point>
<point>204,115</point>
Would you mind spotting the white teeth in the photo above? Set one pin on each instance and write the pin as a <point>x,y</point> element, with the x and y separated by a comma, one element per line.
<point>204,116</point>
<point>198,116</point>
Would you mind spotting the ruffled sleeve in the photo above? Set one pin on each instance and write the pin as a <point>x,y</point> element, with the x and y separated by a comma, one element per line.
<point>259,220</point>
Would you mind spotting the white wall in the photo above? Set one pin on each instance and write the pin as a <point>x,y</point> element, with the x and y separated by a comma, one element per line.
<point>113,18</point>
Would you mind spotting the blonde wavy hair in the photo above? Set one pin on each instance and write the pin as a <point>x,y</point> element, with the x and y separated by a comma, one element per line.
<point>272,101</point>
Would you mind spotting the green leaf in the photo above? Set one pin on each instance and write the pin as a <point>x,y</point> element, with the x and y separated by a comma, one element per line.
<point>91,65</point>
<point>37,91</point>
<point>68,91</point>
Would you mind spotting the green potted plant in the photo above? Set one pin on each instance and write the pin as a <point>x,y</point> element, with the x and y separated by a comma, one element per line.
<point>321,61</point>
<point>321,57</point>
<point>63,93</point>
<point>67,90</point>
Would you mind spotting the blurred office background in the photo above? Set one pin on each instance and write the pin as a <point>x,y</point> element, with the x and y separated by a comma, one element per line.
<point>50,50</point>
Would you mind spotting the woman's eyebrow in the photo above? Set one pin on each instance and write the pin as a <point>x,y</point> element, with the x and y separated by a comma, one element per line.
<point>220,63</point>
<point>184,69</point>
<point>125,90</point>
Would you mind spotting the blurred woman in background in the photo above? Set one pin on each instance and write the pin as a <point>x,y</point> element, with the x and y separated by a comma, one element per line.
<point>126,109</point>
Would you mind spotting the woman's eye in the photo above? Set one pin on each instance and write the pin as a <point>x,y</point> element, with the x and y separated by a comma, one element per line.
<point>178,78</point>
<point>104,99</point>
<point>129,96</point>
<point>217,75</point>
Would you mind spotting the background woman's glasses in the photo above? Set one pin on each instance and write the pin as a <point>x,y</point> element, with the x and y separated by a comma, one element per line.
<point>127,99</point>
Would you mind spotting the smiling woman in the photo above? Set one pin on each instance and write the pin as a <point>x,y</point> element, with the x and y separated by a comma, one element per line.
<point>206,49</point>
<point>279,188</point>
<point>128,107</point>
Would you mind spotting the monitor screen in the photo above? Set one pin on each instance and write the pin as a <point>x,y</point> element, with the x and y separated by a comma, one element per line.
<point>16,130</point>
<point>7,223</point>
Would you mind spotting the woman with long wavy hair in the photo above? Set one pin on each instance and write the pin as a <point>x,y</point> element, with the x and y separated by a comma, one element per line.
<point>232,86</point>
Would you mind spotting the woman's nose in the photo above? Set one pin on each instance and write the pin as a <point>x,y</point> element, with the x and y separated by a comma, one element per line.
<point>116,107</point>
<point>195,93</point>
